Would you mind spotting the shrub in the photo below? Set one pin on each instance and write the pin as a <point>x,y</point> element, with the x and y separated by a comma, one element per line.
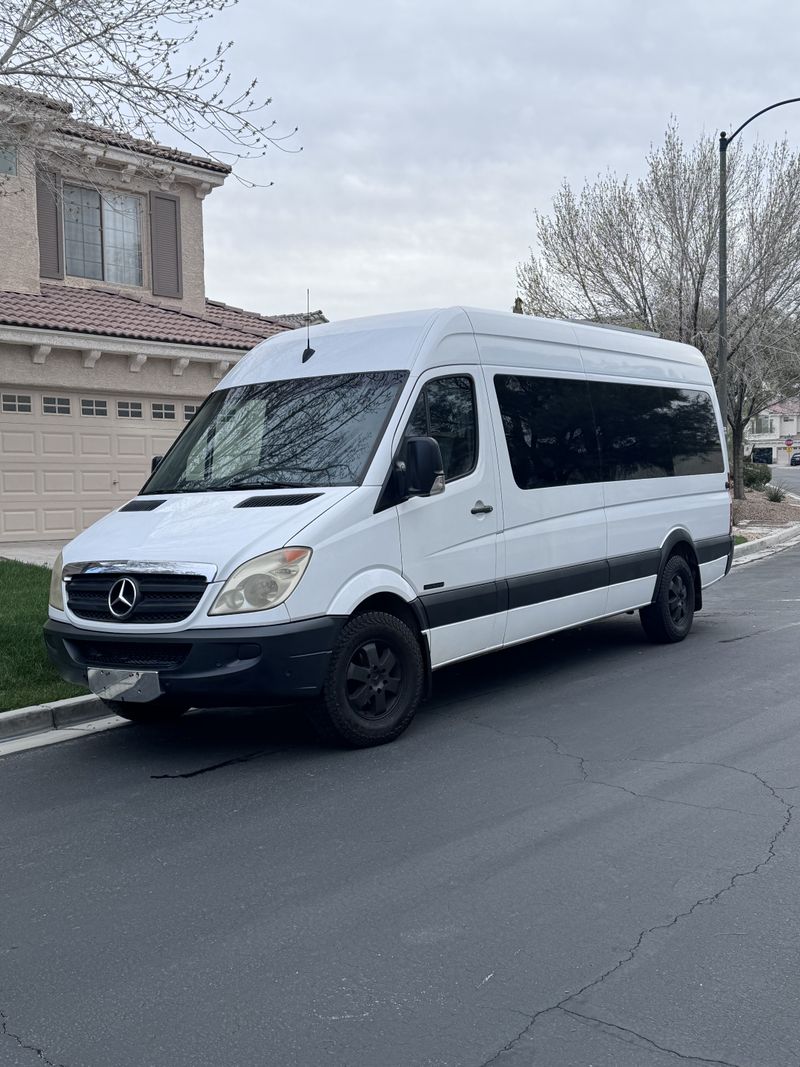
<point>756,475</point>
<point>775,493</point>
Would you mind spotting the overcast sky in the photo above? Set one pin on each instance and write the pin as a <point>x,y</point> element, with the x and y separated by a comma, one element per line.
<point>432,130</point>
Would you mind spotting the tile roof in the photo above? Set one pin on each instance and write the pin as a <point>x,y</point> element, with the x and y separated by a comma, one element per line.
<point>786,407</point>
<point>60,120</point>
<point>251,320</point>
<point>114,314</point>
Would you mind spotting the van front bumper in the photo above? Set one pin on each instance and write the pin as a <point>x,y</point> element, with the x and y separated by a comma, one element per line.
<point>207,667</point>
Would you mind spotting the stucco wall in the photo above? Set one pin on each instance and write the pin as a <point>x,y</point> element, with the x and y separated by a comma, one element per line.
<point>110,374</point>
<point>19,242</point>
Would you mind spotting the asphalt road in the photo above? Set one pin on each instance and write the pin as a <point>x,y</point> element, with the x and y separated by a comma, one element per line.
<point>787,476</point>
<point>582,853</point>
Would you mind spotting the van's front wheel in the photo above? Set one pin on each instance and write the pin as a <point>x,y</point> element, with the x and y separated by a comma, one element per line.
<point>669,618</point>
<point>374,683</point>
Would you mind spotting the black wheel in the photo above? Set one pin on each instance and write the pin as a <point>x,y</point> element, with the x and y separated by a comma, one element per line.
<point>669,618</point>
<point>374,683</point>
<point>151,713</point>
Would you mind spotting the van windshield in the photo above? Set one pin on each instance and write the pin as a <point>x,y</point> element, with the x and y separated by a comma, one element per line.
<point>276,435</point>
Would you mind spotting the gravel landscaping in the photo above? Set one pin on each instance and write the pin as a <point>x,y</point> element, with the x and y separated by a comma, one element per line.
<point>756,511</point>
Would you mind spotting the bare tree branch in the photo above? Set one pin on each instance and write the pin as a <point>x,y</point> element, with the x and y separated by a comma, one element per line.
<point>645,255</point>
<point>126,65</point>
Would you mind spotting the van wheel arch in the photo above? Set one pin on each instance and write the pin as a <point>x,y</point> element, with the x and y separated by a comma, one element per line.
<point>412,614</point>
<point>680,543</point>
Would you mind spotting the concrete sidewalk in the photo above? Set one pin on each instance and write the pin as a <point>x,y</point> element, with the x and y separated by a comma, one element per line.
<point>42,552</point>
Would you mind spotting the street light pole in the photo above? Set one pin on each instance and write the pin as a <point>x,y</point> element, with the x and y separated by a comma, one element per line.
<point>722,350</point>
<point>722,342</point>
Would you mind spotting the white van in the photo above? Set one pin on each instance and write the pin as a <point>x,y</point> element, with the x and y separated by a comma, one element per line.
<point>339,521</point>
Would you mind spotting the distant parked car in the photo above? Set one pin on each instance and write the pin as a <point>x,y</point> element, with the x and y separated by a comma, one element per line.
<point>795,460</point>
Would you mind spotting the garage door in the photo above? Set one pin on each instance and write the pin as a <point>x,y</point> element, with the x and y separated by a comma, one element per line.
<point>68,458</point>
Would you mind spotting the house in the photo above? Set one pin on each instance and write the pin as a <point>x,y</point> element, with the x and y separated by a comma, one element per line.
<point>767,434</point>
<point>108,342</point>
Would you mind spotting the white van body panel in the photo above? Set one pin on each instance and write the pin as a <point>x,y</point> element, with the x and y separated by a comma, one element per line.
<point>206,528</point>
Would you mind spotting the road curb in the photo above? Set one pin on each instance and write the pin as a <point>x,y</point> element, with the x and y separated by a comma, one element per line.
<point>57,715</point>
<point>752,548</point>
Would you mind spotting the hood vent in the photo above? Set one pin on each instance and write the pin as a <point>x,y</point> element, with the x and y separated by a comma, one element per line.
<point>142,504</point>
<point>282,501</point>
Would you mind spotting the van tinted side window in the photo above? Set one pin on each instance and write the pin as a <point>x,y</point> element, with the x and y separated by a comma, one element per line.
<point>445,410</point>
<point>654,432</point>
<point>549,430</point>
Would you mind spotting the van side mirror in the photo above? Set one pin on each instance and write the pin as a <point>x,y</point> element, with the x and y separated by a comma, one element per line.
<point>424,467</point>
<point>154,462</point>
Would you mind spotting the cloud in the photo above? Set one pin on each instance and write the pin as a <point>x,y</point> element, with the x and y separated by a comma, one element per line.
<point>431,132</point>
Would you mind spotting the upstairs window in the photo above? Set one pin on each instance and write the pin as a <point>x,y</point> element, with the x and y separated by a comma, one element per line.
<point>103,235</point>
<point>8,160</point>
<point>763,424</point>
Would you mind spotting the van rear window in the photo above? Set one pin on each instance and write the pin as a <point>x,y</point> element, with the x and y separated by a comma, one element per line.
<point>568,431</point>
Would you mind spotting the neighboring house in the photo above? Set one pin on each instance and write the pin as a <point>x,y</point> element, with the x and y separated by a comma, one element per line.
<point>766,434</point>
<point>108,343</point>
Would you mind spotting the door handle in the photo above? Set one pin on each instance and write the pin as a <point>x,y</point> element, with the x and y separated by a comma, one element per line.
<point>479,508</point>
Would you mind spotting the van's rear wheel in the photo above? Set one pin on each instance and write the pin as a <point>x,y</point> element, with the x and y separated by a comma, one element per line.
<point>151,713</point>
<point>374,683</point>
<point>669,618</point>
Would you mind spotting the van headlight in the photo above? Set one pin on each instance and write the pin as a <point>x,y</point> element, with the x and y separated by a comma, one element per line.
<point>56,589</point>
<point>263,582</point>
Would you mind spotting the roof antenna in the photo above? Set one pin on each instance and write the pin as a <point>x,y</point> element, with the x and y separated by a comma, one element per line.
<point>309,352</point>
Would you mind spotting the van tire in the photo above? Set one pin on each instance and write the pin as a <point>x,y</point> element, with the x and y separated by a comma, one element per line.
<point>669,618</point>
<point>374,683</point>
<point>153,713</point>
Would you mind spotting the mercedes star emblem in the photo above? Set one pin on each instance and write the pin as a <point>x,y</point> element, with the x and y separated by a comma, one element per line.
<point>122,598</point>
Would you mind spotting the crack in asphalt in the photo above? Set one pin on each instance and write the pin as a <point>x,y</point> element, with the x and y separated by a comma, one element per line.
<point>585,776</point>
<point>5,1032</point>
<point>648,1040</point>
<point>705,901</point>
<point>225,763</point>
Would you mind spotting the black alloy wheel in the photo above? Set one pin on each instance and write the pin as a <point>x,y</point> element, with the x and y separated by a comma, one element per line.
<point>374,683</point>
<point>678,600</point>
<point>669,618</point>
<point>374,679</point>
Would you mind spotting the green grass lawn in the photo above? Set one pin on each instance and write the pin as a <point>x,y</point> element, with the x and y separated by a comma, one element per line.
<point>739,540</point>
<point>26,675</point>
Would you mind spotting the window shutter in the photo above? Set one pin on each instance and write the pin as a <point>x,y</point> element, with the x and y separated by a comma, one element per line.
<point>165,244</point>
<point>49,222</point>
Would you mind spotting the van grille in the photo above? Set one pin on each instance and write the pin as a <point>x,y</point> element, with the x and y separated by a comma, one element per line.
<point>129,654</point>
<point>162,597</point>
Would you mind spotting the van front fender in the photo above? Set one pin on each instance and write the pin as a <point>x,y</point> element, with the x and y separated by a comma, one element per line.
<point>369,583</point>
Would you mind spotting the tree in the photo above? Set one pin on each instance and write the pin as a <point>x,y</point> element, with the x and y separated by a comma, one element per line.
<point>644,254</point>
<point>124,65</point>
